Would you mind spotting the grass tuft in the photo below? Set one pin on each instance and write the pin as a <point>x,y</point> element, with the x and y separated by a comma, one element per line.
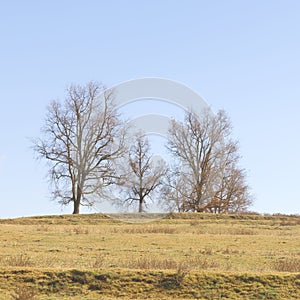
<point>23,292</point>
<point>21,260</point>
<point>287,265</point>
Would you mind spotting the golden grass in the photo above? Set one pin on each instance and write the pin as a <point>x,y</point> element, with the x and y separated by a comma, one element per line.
<point>196,256</point>
<point>129,284</point>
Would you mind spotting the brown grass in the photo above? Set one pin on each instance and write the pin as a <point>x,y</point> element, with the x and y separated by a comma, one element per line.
<point>133,284</point>
<point>20,260</point>
<point>177,248</point>
<point>287,265</point>
<point>231,242</point>
<point>23,292</point>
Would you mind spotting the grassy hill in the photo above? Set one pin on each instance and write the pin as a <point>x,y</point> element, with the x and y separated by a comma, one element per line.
<point>195,256</point>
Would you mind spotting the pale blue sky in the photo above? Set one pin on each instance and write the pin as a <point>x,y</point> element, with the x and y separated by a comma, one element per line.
<point>243,56</point>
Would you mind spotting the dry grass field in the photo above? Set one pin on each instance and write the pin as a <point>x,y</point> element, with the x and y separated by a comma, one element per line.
<point>183,256</point>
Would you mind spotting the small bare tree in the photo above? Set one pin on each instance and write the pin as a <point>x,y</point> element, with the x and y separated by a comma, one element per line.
<point>145,175</point>
<point>81,139</point>
<point>207,160</point>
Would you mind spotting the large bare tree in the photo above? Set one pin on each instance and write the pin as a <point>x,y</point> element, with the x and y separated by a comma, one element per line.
<point>145,175</point>
<point>81,139</point>
<point>207,177</point>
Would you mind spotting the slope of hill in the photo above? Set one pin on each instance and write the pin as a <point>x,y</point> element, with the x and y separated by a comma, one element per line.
<point>196,256</point>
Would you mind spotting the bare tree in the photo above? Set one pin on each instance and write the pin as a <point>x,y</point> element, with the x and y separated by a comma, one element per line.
<point>81,139</point>
<point>207,160</point>
<point>145,175</point>
<point>231,192</point>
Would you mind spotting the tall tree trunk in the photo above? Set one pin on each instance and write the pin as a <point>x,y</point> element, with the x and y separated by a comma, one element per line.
<point>77,201</point>
<point>76,207</point>
<point>141,206</point>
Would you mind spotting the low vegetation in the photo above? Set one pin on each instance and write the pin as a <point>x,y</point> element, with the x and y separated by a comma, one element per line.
<point>196,256</point>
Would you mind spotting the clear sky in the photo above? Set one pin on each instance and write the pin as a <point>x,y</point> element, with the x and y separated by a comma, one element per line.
<point>239,55</point>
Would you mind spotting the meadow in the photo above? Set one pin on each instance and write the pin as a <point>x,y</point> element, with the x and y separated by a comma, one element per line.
<point>182,256</point>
